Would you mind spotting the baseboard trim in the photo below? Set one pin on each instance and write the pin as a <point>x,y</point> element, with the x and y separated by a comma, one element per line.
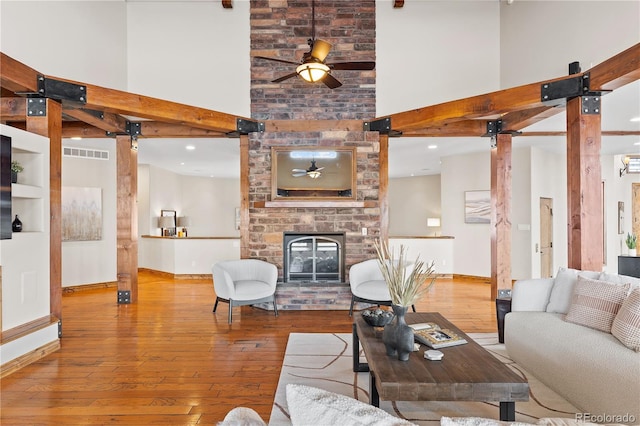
<point>96,286</point>
<point>27,328</point>
<point>172,276</point>
<point>487,280</point>
<point>29,358</point>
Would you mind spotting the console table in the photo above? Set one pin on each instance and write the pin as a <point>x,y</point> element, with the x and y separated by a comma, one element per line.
<point>629,265</point>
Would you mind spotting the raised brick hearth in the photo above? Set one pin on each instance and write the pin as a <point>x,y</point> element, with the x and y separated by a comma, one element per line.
<point>280,29</point>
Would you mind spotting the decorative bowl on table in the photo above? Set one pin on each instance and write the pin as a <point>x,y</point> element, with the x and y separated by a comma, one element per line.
<point>377,317</point>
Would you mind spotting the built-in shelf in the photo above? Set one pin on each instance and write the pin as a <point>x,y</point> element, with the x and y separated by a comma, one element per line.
<point>25,191</point>
<point>315,204</point>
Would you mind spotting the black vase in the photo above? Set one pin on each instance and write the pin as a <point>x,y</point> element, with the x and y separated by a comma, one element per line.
<point>398,336</point>
<point>16,225</point>
<point>14,177</point>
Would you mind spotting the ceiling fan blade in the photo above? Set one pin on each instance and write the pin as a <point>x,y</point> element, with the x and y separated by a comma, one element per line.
<point>283,78</point>
<point>299,174</point>
<point>320,49</point>
<point>299,171</point>
<point>278,60</point>
<point>318,169</point>
<point>365,66</point>
<point>331,82</point>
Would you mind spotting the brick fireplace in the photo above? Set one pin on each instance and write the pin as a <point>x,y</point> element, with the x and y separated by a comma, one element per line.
<point>280,29</point>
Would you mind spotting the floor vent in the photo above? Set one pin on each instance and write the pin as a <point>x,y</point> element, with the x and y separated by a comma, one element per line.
<point>93,154</point>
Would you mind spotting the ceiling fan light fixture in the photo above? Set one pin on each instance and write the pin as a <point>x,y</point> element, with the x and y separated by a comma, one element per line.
<point>312,71</point>
<point>314,174</point>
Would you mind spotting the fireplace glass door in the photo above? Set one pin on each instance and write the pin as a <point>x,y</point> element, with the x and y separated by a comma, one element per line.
<point>314,259</point>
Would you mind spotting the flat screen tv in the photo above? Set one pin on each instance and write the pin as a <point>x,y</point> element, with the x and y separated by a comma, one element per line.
<point>5,187</point>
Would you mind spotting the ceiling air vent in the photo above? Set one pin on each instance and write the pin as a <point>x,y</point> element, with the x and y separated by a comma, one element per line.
<point>92,154</point>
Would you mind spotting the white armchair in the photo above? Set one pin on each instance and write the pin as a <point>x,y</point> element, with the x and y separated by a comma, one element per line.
<point>368,285</point>
<point>245,282</point>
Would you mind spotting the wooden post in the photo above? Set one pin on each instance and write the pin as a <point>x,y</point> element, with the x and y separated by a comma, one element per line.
<point>501,214</point>
<point>584,183</point>
<point>50,126</point>
<point>244,197</point>
<point>127,218</point>
<point>383,191</point>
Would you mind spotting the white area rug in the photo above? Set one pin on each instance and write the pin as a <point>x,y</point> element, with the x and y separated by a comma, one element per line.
<point>324,360</point>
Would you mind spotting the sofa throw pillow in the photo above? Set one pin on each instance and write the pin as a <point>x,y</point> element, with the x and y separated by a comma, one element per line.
<point>595,303</point>
<point>626,325</point>
<point>309,405</point>
<point>563,284</point>
<point>619,279</point>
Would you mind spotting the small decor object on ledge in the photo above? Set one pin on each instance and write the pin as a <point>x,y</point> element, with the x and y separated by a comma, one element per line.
<point>407,282</point>
<point>16,225</point>
<point>631,243</point>
<point>15,169</point>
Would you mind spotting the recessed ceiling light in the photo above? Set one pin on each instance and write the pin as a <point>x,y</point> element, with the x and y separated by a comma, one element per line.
<point>189,147</point>
<point>635,119</point>
<point>432,146</point>
<point>182,164</point>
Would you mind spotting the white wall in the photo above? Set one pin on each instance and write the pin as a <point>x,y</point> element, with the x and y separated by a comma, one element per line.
<point>89,262</point>
<point>520,212</point>
<point>25,257</point>
<point>411,201</point>
<point>430,52</point>
<point>196,53</point>
<point>84,41</point>
<point>540,38</point>
<point>472,248</point>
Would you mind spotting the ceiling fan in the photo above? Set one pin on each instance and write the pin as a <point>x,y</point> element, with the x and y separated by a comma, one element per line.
<point>312,67</point>
<point>313,171</point>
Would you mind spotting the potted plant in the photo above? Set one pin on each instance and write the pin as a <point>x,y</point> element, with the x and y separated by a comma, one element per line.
<point>15,169</point>
<point>407,281</point>
<point>631,243</point>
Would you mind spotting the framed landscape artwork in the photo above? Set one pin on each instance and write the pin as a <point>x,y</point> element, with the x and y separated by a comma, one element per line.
<point>81,214</point>
<point>477,206</point>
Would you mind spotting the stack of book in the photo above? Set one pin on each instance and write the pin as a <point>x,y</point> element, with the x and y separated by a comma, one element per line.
<point>432,335</point>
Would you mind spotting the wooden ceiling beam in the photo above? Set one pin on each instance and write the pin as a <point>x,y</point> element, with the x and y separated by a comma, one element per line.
<point>313,125</point>
<point>16,76</point>
<point>156,129</point>
<point>13,109</point>
<point>102,120</point>
<point>617,71</point>
<point>457,128</point>
<point>119,102</point>
<point>79,129</point>
<point>481,106</point>
<point>518,120</point>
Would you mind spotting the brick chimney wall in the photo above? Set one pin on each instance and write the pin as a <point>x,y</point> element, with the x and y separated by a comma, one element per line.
<point>280,29</point>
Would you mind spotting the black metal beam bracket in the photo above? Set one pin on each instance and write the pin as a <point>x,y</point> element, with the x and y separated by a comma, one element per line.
<point>62,90</point>
<point>36,107</point>
<point>124,297</point>
<point>493,128</point>
<point>383,126</point>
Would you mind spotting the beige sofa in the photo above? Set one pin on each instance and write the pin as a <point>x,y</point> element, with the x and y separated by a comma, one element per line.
<point>590,368</point>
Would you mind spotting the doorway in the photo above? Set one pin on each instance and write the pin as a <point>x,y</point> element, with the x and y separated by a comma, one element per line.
<point>546,237</point>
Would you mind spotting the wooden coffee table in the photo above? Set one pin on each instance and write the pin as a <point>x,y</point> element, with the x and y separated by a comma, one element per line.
<point>466,373</point>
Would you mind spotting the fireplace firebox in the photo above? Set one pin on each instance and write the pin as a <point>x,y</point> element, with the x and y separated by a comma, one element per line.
<point>313,257</point>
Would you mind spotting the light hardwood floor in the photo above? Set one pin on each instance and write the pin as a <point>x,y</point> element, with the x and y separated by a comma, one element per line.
<point>169,360</point>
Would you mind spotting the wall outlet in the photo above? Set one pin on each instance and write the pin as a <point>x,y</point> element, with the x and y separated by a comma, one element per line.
<point>364,231</point>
